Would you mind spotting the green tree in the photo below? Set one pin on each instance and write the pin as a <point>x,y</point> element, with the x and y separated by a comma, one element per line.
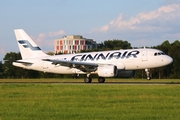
<point>175,54</point>
<point>163,72</point>
<point>172,70</point>
<point>116,44</point>
<point>9,70</point>
<point>50,53</point>
<point>1,70</point>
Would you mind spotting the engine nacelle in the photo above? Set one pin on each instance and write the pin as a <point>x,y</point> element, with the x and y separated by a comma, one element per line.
<point>126,73</point>
<point>107,70</point>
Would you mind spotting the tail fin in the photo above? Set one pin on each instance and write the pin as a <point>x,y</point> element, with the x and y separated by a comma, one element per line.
<point>27,47</point>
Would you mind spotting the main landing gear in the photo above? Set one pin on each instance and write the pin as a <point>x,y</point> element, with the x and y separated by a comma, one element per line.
<point>89,79</point>
<point>148,74</point>
<point>101,79</point>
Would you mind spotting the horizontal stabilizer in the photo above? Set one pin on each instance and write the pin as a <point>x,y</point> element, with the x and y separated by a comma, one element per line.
<point>19,63</point>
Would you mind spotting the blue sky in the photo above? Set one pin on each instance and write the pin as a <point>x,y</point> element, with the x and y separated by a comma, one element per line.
<point>140,22</point>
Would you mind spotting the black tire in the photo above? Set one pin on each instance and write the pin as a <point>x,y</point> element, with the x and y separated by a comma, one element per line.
<point>87,80</point>
<point>148,78</point>
<point>101,79</point>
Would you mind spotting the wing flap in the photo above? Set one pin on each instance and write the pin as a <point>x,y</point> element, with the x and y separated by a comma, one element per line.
<point>83,66</point>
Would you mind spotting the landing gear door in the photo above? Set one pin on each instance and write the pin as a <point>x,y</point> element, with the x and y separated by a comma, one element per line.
<point>145,55</point>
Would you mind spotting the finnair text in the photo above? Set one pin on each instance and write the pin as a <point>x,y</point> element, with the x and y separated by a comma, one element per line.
<point>105,56</point>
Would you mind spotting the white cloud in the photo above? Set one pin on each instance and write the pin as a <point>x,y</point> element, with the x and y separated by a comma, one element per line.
<point>145,25</point>
<point>40,38</point>
<point>144,21</point>
<point>46,41</point>
<point>54,34</point>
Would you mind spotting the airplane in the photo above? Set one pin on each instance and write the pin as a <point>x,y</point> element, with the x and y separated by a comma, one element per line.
<point>120,63</point>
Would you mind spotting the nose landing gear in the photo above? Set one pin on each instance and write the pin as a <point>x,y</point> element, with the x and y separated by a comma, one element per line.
<point>148,74</point>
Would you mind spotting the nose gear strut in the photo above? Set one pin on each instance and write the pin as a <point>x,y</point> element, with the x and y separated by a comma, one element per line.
<point>148,74</point>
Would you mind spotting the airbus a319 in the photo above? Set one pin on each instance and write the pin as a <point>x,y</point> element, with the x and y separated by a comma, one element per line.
<point>121,63</point>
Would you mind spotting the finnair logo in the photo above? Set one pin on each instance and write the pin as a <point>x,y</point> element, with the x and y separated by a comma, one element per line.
<point>106,56</point>
<point>26,44</point>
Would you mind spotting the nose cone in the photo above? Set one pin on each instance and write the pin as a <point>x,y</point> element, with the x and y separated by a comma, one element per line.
<point>169,60</point>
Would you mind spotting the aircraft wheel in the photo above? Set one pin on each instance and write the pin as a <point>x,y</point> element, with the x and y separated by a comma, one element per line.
<point>101,79</point>
<point>148,78</point>
<point>87,80</point>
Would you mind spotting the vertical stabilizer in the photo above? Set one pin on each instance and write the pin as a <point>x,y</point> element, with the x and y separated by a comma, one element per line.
<point>27,47</point>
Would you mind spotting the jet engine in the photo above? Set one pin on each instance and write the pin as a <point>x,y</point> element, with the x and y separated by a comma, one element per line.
<point>107,70</point>
<point>126,73</point>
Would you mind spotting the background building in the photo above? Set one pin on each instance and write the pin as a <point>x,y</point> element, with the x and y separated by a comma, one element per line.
<point>73,44</point>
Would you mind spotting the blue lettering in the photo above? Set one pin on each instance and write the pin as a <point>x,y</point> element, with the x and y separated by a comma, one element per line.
<point>124,55</point>
<point>89,57</point>
<point>133,54</point>
<point>102,56</point>
<point>82,58</point>
<point>74,58</point>
<point>115,55</point>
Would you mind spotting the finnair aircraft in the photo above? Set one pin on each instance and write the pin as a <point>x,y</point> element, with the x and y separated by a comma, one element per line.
<point>121,63</point>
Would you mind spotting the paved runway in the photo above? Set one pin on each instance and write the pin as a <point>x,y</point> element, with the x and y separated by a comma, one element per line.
<point>125,83</point>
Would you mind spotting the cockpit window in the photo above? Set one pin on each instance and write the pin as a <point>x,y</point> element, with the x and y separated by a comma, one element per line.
<point>163,53</point>
<point>159,53</point>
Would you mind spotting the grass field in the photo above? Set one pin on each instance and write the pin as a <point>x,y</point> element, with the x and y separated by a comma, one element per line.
<point>69,80</point>
<point>89,101</point>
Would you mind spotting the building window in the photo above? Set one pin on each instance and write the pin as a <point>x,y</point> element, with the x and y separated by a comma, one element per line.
<point>60,42</point>
<point>70,42</point>
<point>61,47</point>
<point>83,42</point>
<point>77,42</point>
<point>84,47</point>
<point>73,43</point>
<point>57,47</point>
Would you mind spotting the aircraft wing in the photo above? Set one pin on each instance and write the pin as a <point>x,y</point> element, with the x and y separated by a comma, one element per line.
<point>83,66</point>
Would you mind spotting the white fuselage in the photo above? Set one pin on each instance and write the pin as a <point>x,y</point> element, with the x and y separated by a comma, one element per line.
<point>130,59</point>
